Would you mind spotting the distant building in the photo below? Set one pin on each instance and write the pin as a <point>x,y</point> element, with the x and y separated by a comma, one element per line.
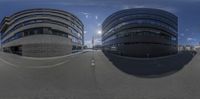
<point>41,33</point>
<point>97,47</point>
<point>141,32</point>
<point>85,47</point>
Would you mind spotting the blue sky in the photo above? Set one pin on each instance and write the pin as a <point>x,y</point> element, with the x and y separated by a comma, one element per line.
<point>93,12</point>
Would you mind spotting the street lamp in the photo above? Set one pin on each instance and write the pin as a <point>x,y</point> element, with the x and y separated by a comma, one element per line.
<point>99,32</point>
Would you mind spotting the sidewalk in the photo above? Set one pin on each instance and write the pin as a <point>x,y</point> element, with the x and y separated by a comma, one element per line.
<point>32,62</point>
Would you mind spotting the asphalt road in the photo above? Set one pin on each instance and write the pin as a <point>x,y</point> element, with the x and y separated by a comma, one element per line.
<point>95,75</point>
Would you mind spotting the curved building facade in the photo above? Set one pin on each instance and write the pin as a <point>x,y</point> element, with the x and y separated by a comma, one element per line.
<point>41,33</point>
<point>141,32</point>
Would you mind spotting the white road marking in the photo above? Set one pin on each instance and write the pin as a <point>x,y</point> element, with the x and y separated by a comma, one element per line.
<point>49,58</point>
<point>7,62</point>
<point>48,66</point>
<point>93,62</point>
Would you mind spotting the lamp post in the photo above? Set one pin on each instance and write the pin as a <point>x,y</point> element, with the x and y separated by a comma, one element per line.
<point>93,46</point>
<point>99,32</point>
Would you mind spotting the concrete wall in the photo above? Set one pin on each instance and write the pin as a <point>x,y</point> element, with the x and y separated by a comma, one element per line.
<point>46,50</point>
<point>43,45</point>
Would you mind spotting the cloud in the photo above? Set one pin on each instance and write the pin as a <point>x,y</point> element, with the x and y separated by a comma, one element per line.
<point>191,39</point>
<point>182,34</point>
<point>169,9</point>
<point>85,14</point>
<point>99,24</point>
<point>96,17</point>
<point>125,7</point>
<point>132,6</point>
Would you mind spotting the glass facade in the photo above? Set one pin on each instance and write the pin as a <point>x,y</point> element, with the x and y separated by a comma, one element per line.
<point>45,31</point>
<point>134,27</point>
<point>31,22</point>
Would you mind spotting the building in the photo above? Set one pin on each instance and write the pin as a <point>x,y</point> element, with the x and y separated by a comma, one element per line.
<point>41,33</point>
<point>141,32</point>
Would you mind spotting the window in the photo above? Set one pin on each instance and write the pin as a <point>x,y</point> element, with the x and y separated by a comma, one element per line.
<point>173,38</point>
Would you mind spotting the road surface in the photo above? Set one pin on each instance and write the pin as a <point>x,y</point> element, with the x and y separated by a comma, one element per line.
<point>95,75</point>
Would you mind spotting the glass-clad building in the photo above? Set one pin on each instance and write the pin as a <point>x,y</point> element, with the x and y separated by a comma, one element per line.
<point>41,32</point>
<point>140,32</point>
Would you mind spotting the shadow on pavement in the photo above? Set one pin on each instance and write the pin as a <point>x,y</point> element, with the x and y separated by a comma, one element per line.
<point>151,68</point>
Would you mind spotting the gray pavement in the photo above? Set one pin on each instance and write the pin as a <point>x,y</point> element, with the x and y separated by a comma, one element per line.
<point>110,77</point>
